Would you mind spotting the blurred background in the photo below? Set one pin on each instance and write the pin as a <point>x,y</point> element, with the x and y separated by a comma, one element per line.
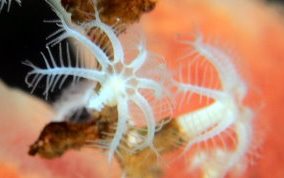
<point>23,34</point>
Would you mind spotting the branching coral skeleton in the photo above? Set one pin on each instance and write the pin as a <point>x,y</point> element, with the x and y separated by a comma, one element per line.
<point>124,84</point>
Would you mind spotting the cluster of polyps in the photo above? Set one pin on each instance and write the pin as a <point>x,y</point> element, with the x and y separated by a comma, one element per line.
<point>122,84</point>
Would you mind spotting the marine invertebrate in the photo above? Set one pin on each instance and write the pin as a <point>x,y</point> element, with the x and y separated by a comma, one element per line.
<point>226,114</point>
<point>260,58</point>
<point>134,86</point>
<point>122,83</point>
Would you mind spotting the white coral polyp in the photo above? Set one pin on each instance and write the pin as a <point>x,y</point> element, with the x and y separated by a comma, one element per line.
<point>226,112</point>
<point>120,84</point>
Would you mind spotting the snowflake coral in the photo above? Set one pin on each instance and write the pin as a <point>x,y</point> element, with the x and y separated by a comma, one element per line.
<point>122,84</point>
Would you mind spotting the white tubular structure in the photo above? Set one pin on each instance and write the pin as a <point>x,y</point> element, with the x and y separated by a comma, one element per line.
<point>226,112</point>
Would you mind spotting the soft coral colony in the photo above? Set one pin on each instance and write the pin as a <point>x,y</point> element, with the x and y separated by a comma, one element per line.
<point>143,89</point>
